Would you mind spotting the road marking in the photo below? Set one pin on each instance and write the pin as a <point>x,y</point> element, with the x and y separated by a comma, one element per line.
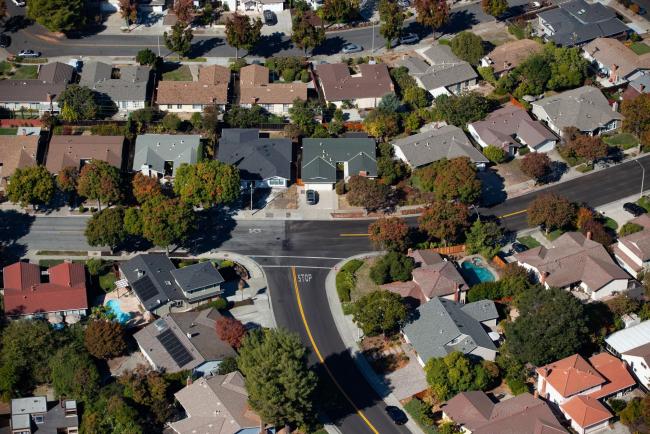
<point>320,357</point>
<point>292,266</point>
<point>512,214</point>
<point>354,235</point>
<point>299,257</point>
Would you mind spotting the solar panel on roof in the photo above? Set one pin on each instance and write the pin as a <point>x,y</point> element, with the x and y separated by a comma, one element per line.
<point>145,288</point>
<point>174,347</point>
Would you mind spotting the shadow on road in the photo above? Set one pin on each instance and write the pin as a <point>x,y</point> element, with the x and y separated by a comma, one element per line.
<point>270,45</point>
<point>331,46</point>
<point>204,46</point>
<point>460,20</point>
<point>492,188</point>
<point>16,23</point>
<point>13,226</point>
<point>216,226</point>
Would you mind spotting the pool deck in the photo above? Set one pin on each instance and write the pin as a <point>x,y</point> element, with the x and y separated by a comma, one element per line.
<point>484,264</point>
<point>128,304</point>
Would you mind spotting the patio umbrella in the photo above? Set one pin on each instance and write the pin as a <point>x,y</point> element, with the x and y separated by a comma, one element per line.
<point>72,318</point>
<point>54,318</point>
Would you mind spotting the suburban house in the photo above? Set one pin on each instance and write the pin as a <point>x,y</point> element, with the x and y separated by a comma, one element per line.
<point>508,56</point>
<point>326,161</point>
<point>585,108</point>
<point>364,89</point>
<point>31,414</point>
<point>638,85</point>
<point>476,413</point>
<point>160,286</point>
<point>160,155</point>
<point>632,344</point>
<point>75,151</point>
<point>443,326</point>
<point>40,94</point>
<point>433,277</point>
<point>127,86</point>
<point>633,251</point>
<point>60,296</point>
<point>442,73</point>
<point>577,263</point>
<point>264,161</point>
<point>577,22</point>
<point>217,405</point>
<point>446,142</point>
<point>255,88</point>
<point>184,341</point>
<point>16,152</point>
<point>615,61</point>
<point>211,89</point>
<point>578,387</point>
<point>255,5</point>
<point>511,128</point>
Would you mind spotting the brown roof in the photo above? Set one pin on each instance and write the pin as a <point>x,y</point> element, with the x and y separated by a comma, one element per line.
<point>17,152</point>
<point>52,80</point>
<point>616,373</point>
<point>585,410</point>
<point>255,88</point>
<point>642,351</point>
<point>509,55</point>
<point>424,257</point>
<point>406,290</point>
<point>439,279</point>
<point>523,414</point>
<point>571,375</point>
<point>373,81</point>
<point>211,88</point>
<point>613,53</point>
<point>639,242</point>
<point>65,151</point>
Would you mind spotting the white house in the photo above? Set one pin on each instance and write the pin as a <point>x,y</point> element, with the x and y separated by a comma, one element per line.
<point>633,251</point>
<point>126,86</point>
<point>632,344</point>
<point>255,5</point>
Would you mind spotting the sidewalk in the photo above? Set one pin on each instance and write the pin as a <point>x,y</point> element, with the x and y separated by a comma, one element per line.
<point>348,330</point>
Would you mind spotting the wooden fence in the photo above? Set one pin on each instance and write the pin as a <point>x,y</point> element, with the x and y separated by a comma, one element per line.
<point>450,250</point>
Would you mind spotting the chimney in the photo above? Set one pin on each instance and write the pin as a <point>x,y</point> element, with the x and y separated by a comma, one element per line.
<point>188,381</point>
<point>588,235</point>
<point>409,251</point>
<point>543,277</point>
<point>456,292</point>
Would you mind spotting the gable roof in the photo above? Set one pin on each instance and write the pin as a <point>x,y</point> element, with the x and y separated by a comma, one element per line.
<point>639,242</point>
<point>211,88</point>
<point>424,257</point>
<point>197,276</point>
<point>509,55</point>
<point>17,152</point>
<point>131,84</point>
<point>439,280</point>
<point>443,69</point>
<point>255,88</point>
<point>373,81</point>
<point>52,80</point>
<point>571,375</point>
<point>256,158</point>
<point>319,157</point>
<point>154,149</point>
<point>433,145</point>
<point>613,53</point>
<point>616,373</point>
<point>585,410</point>
<point>65,151</point>
<point>443,326</point>
<point>630,338</point>
<point>149,275</point>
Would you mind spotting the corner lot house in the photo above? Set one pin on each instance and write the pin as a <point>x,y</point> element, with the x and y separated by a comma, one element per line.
<point>511,128</point>
<point>16,152</point>
<point>585,108</point>
<point>211,89</point>
<point>40,94</point>
<point>443,73</point>
<point>326,161</point>
<point>441,143</point>
<point>161,287</point>
<point>75,151</point>
<point>255,88</point>
<point>632,344</point>
<point>577,22</point>
<point>31,414</point>
<point>184,341</point>
<point>126,86</point>
<point>508,56</point>
<point>618,63</point>
<point>443,326</point>
<point>159,155</point>
<point>363,89</point>
<point>475,412</point>
<point>632,251</point>
<point>60,297</point>
<point>576,263</point>
<point>266,162</point>
<point>578,387</point>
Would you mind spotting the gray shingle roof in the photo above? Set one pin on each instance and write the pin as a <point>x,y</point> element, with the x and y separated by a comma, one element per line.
<point>131,86</point>
<point>319,157</point>
<point>443,69</point>
<point>256,158</point>
<point>443,326</point>
<point>52,80</point>
<point>157,269</point>
<point>197,276</point>
<point>154,149</point>
<point>433,145</point>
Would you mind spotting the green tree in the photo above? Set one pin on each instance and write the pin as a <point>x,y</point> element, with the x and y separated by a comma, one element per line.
<point>166,221</point>
<point>146,57</point>
<point>392,267</point>
<point>242,32</point>
<point>495,154</point>
<point>551,211</point>
<point>106,228</point>
<point>368,193</point>
<point>389,233</point>
<point>392,17</point>
<point>468,46</point>
<point>432,13</point>
<point>74,374</point>
<point>302,115</point>
<point>109,412</point>
<point>382,124</point>
<point>279,384</point>
<point>100,181</point>
<point>80,103</point>
<point>462,109</point>
<point>241,117</point>
<point>207,183</point>
<point>416,97</point>
<point>133,221</point>
<point>379,312</point>
<point>31,185</point>
<point>444,220</point>
<point>390,169</point>
<point>389,103</point>
<point>496,8</point>
<point>180,39</point>
<point>104,339</point>
<point>149,388</point>
<point>458,181</point>
<point>456,373</point>
<point>339,11</point>
<point>304,34</point>
<point>57,15</point>
<point>484,238</point>
<point>171,122</point>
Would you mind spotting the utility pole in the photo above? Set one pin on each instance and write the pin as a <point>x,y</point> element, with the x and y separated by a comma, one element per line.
<point>158,45</point>
<point>252,183</point>
<point>642,177</point>
<point>373,36</point>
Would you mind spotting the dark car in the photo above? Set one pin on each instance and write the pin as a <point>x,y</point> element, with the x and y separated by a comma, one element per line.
<point>312,197</point>
<point>518,248</point>
<point>397,415</point>
<point>5,41</point>
<point>270,18</point>
<point>634,209</point>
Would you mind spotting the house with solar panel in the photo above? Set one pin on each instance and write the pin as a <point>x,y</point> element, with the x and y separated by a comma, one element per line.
<point>161,287</point>
<point>184,341</point>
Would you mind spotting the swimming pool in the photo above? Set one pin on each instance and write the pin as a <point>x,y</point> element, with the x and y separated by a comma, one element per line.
<point>474,271</point>
<point>121,316</point>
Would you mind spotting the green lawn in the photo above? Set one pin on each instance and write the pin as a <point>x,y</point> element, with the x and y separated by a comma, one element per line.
<point>584,168</point>
<point>5,67</point>
<point>553,235</point>
<point>25,72</point>
<point>107,281</point>
<point>640,48</point>
<point>179,74</point>
<point>8,131</point>
<point>622,140</point>
<point>610,223</point>
<point>529,242</point>
<point>644,202</point>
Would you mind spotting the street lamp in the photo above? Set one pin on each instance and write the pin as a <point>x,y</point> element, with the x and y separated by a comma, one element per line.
<point>642,177</point>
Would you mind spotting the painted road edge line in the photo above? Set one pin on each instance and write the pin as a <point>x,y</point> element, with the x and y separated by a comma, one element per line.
<point>513,214</point>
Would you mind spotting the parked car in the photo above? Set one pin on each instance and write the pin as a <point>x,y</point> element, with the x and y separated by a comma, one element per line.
<point>270,18</point>
<point>409,38</point>
<point>396,414</point>
<point>634,209</point>
<point>20,3</point>
<point>5,40</point>
<point>404,3</point>
<point>29,53</point>
<point>351,48</point>
<point>312,197</point>
<point>518,248</point>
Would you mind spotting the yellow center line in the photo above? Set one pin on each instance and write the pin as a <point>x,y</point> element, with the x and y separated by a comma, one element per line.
<point>354,235</point>
<point>320,357</point>
<point>513,214</point>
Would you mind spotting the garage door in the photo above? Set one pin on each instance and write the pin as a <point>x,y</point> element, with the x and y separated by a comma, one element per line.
<point>320,187</point>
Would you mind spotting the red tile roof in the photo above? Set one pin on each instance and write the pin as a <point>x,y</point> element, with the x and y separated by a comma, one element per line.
<point>571,375</point>
<point>616,373</point>
<point>585,410</point>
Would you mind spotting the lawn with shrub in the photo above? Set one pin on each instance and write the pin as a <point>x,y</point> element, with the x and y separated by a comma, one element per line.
<point>421,414</point>
<point>644,202</point>
<point>640,48</point>
<point>622,140</point>
<point>8,131</point>
<point>25,72</point>
<point>610,223</point>
<point>107,280</point>
<point>182,73</point>
<point>346,279</point>
<point>529,242</point>
<point>553,235</point>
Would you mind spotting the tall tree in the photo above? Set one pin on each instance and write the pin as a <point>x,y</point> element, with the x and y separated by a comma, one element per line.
<point>456,373</point>
<point>166,221</point>
<point>128,11</point>
<point>230,330</point>
<point>58,15</point>
<point>382,124</point>
<point>145,187</point>
<point>536,165</point>
<point>591,148</point>
<point>242,32</point>
<point>207,183</point>
<point>31,186</point>
<point>368,193</point>
<point>462,109</point>
<point>304,34</point>
<point>74,373</point>
<point>468,46</point>
<point>637,115</point>
<point>100,181</point>
<point>444,220</point>
<point>379,312</point>
<point>78,103</point>
<point>496,8</point>
<point>303,114</point>
<point>184,10</point>
<point>392,18</point>
<point>104,339</point>
<point>149,388</point>
<point>339,11</point>
<point>390,233</point>
<point>106,228</point>
<point>458,181</point>
<point>551,211</point>
<point>279,384</point>
<point>180,39</point>
<point>484,238</point>
<point>432,13</point>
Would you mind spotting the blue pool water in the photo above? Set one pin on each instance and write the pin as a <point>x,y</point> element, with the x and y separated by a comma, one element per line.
<point>120,316</point>
<point>475,273</point>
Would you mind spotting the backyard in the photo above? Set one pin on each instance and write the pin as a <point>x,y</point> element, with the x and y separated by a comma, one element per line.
<point>17,72</point>
<point>177,73</point>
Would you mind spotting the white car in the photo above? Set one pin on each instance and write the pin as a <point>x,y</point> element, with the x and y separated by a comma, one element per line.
<point>29,53</point>
<point>351,48</point>
<point>409,38</point>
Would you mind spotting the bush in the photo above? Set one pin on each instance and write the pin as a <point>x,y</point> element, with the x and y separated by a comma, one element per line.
<point>345,282</point>
<point>617,405</point>
<point>340,188</point>
<point>629,228</point>
<point>421,413</point>
<point>352,266</point>
<point>392,267</point>
<point>495,154</point>
<point>218,304</point>
<point>289,74</point>
<point>227,365</point>
<point>523,150</point>
<point>517,386</point>
<point>238,64</point>
<point>171,122</point>
<point>487,74</point>
<point>94,266</point>
<point>304,76</point>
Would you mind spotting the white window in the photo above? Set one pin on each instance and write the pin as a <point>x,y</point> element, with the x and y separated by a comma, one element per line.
<point>38,418</point>
<point>197,106</point>
<point>169,106</point>
<point>179,106</point>
<point>276,181</point>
